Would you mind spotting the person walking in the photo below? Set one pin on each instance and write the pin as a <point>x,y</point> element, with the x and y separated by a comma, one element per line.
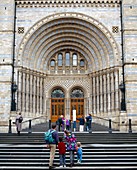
<point>62,152</point>
<point>18,123</point>
<point>81,123</point>
<point>71,145</point>
<point>79,152</point>
<point>53,145</point>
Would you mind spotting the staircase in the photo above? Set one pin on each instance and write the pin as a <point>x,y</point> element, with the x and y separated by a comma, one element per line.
<point>100,151</point>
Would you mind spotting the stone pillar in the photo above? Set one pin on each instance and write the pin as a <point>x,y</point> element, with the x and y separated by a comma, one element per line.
<point>129,12</point>
<point>6,60</point>
<point>101,95</point>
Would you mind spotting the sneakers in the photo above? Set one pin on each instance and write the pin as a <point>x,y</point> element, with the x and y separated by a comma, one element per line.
<point>61,166</point>
<point>64,166</point>
<point>78,162</point>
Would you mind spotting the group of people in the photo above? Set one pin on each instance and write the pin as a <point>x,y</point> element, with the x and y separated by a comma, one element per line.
<point>66,143</point>
<point>82,121</point>
<point>64,123</point>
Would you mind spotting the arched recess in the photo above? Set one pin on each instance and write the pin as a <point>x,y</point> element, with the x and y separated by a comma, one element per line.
<point>63,31</point>
<point>57,103</point>
<point>77,102</point>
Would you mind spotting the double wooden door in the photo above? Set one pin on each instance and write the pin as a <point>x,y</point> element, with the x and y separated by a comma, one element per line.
<point>58,108</point>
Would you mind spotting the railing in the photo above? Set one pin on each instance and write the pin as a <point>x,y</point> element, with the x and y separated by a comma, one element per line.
<point>49,124</point>
<point>129,124</point>
<point>29,123</point>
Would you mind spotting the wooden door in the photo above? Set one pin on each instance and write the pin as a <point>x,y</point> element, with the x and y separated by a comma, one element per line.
<point>57,108</point>
<point>78,105</point>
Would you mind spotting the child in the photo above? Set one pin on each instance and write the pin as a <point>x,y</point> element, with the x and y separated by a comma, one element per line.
<point>79,152</point>
<point>62,152</point>
<point>70,145</point>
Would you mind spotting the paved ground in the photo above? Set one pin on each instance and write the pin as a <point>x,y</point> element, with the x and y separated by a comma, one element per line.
<point>44,126</point>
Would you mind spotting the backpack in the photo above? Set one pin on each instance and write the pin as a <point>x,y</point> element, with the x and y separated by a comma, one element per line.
<point>48,136</point>
<point>20,119</point>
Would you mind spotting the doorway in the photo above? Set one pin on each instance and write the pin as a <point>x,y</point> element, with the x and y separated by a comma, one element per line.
<point>77,103</point>
<point>57,104</point>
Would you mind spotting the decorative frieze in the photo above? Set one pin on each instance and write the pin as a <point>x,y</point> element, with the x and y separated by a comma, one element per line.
<point>66,3</point>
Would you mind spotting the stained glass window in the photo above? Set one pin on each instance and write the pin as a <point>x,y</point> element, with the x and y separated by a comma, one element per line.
<point>57,93</point>
<point>77,93</point>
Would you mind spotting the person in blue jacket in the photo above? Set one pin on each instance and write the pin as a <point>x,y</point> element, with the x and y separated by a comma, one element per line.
<point>81,123</point>
<point>88,122</point>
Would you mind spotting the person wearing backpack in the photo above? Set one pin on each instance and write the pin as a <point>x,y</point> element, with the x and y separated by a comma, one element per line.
<point>18,123</point>
<point>52,144</point>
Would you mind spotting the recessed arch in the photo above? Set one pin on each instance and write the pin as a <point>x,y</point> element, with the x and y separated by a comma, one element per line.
<point>96,41</point>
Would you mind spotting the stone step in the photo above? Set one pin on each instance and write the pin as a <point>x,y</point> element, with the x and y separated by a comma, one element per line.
<point>95,155</point>
<point>84,138</point>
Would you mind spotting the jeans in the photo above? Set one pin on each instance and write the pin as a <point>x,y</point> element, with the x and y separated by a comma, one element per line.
<point>62,159</point>
<point>79,157</point>
<point>71,157</point>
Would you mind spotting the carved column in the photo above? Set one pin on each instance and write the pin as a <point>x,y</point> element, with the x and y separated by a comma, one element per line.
<point>108,91</point>
<point>19,102</point>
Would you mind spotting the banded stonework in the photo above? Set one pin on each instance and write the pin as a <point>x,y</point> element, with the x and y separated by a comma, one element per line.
<point>66,55</point>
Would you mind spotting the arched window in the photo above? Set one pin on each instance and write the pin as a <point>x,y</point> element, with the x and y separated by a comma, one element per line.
<point>77,93</point>
<point>67,59</point>
<point>82,63</point>
<point>74,57</point>
<point>57,93</point>
<point>60,59</point>
<point>52,63</point>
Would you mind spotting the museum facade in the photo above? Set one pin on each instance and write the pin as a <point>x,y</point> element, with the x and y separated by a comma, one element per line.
<point>59,56</point>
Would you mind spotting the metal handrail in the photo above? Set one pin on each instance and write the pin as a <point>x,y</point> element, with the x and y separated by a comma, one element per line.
<point>105,119</point>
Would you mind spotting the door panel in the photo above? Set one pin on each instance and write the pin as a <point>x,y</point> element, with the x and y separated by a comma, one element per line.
<point>78,105</point>
<point>57,106</point>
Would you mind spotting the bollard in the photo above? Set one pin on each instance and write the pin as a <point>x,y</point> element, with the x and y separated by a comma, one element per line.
<point>130,127</point>
<point>49,124</point>
<point>110,129</point>
<point>10,131</point>
<point>69,124</point>
<point>29,127</point>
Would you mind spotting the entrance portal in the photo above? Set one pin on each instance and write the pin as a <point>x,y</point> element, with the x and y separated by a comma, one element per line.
<point>77,103</point>
<point>57,104</point>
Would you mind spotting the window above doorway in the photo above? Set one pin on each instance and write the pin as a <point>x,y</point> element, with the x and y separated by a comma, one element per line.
<point>67,62</point>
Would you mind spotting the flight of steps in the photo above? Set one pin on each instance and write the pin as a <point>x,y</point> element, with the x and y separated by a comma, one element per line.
<point>100,151</point>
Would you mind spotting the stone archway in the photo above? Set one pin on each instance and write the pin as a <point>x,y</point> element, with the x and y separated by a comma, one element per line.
<point>78,34</point>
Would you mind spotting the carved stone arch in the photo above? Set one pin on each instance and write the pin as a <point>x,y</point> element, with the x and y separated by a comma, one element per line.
<point>28,38</point>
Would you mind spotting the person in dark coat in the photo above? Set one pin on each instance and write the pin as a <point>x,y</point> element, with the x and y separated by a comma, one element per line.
<point>60,122</point>
<point>81,123</point>
<point>88,122</point>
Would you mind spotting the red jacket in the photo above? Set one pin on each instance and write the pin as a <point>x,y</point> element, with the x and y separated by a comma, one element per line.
<point>62,148</point>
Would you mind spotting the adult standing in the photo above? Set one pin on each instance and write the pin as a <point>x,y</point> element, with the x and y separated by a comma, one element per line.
<point>60,122</point>
<point>81,123</point>
<point>71,145</point>
<point>18,123</point>
<point>52,145</point>
<point>88,122</point>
